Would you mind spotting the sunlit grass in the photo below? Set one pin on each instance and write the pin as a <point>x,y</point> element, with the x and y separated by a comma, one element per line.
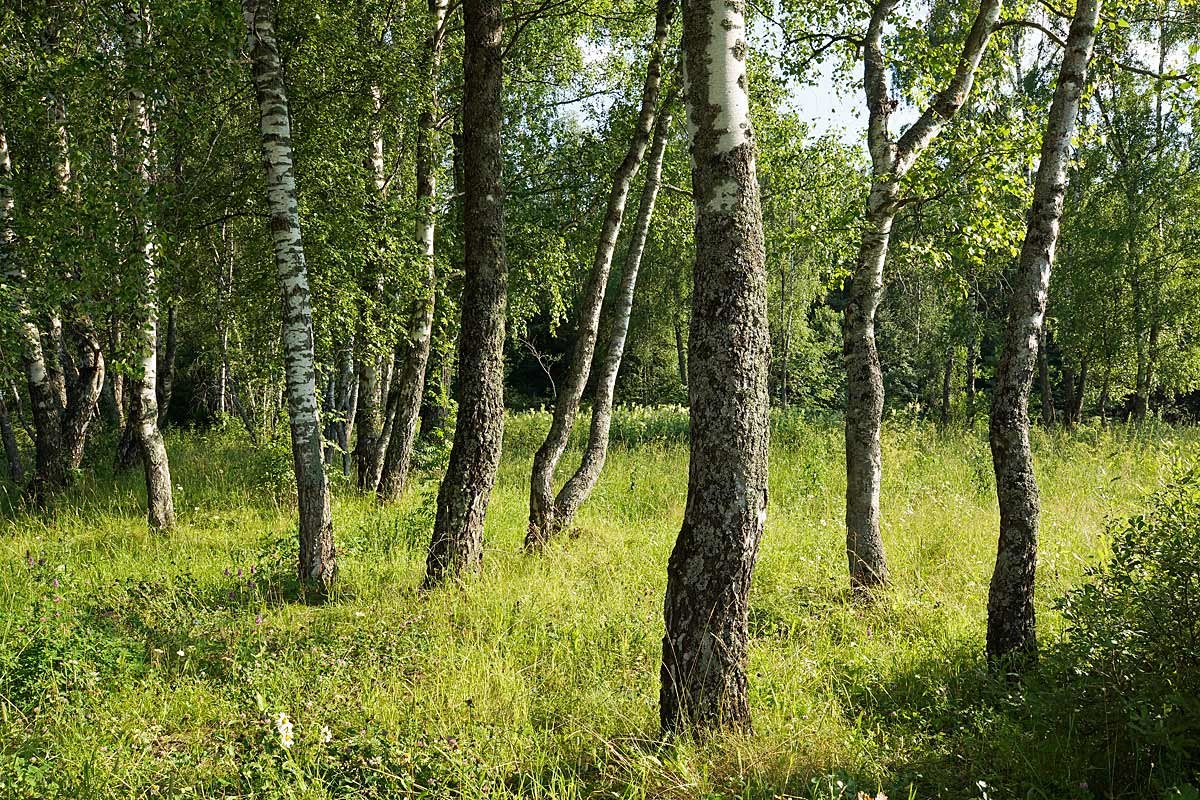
<point>150,668</point>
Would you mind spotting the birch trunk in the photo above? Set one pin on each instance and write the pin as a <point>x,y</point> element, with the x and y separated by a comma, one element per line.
<point>317,559</point>
<point>16,469</point>
<point>947,384</point>
<point>1011,631</point>
<point>890,162</point>
<point>57,363</point>
<point>112,393</point>
<point>1047,392</point>
<point>372,386</point>
<point>410,382</point>
<point>1068,384</point>
<point>368,419</point>
<point>576,491</point>
<point>1080,390</point>
<point>49,463</point>
<point>704,684</point>
<point>159,501</point>
<point>970,380</point>
<point>83,402</point>
<point>457,542</point>
<point>166,384</point>
<point>542,525</point>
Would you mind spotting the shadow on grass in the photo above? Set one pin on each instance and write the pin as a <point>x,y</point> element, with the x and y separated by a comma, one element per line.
<point>983,734</point>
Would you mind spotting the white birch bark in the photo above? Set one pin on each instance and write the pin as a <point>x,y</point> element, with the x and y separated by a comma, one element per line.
<point>706,608</point>
<point>579,487</point>
<point>409,384</point>
<point>891,160</point>
<point>1011,632</point>
<point>566,406</point>
<point>49,465</point>
<point>316,563</point>
<point>159,499</point>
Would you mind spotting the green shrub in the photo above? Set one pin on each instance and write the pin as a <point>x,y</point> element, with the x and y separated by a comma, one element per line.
<point>1131,642</point>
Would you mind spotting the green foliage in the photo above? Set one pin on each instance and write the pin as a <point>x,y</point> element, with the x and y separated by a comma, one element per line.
<point>1130,642</point>
<point>174,656</point>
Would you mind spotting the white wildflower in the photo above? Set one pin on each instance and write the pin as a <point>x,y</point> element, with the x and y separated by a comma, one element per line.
<point>326,735</point>
<point>286,730</point>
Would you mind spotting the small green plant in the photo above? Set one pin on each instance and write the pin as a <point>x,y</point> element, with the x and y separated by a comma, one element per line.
<point>1130,645</point>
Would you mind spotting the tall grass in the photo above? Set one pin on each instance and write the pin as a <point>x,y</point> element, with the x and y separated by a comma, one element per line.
<point>138,665</point>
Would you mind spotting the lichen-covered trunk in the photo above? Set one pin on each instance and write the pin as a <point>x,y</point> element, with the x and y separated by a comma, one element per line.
<point>580,485</point>
<point>159,501</point>
<point>409,384</point>
<point>704,684</point>
<point>587,323</point>
<point>317,564</point>
<point>50,471</point>
<point>864,397</point>
<point>457,542</point>
<point>1011,629</point>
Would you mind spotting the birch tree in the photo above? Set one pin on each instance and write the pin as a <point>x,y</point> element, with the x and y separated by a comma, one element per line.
<point>409,384</point>
<point>578,488</point>
<point>542,522</point>
<point>1011,629</point>
<point>457,543</point>
<point>891,159</point>
<point>369,412</point>
<point>159,499</point>
<point>704,682</point>
<point>317,563</point>
<point>49,465</point>
<point>79,396</point>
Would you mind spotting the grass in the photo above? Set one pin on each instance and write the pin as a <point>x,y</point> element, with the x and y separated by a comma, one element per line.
<point>137,665</point>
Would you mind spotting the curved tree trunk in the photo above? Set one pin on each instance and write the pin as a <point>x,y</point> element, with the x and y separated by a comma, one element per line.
<point>159,501</point>
<point>457,542</point>
<point>317,563</point>
<point>566,405</point>
<point>50,471</point>
<point>409,384</point>
<point>577,490</point>
<point>84,400</point>
<point>706,610</point>
<point>1011,632</point>
<point>890,162</point>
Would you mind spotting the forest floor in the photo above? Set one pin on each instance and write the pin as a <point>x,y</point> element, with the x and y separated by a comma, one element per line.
<point>140,665</point>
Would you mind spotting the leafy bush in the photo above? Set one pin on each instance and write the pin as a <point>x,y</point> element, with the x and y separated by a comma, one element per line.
<point>1133,633</point>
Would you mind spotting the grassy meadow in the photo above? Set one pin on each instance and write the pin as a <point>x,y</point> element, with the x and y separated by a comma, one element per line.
<point>139,665</point>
